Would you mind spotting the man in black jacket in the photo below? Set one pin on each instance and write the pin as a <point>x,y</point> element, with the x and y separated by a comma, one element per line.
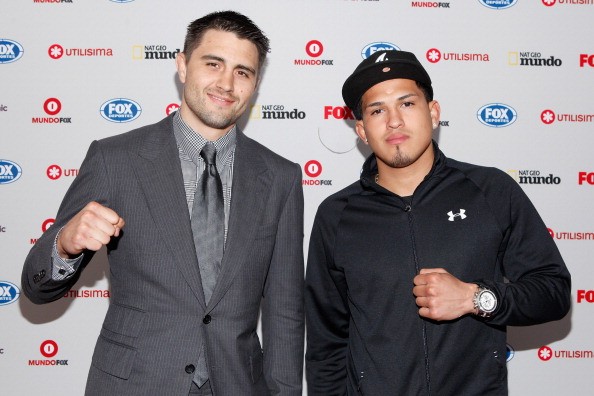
<point>415,270</point>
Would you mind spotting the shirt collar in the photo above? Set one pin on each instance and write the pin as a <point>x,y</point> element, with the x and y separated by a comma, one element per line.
<point>191,142</point>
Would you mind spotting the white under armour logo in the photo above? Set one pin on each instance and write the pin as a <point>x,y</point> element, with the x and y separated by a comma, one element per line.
<point>461,214</point>
<point>382,58</point>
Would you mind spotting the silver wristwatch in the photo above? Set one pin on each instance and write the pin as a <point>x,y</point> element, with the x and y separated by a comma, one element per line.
<point>485,301</point>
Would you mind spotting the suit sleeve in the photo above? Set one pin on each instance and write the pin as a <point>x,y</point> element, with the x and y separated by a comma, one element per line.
<point>282,306</point>
<point>91,184</point>
<point>327,314</point>
<point>538,289</point>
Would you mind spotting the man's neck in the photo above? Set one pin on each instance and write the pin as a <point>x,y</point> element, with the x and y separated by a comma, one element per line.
<point>208,133</point>
<point>404,181</point>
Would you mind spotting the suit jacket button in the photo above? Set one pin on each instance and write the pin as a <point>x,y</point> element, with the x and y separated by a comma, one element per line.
<point>190,368</point>
<point>206,319</point>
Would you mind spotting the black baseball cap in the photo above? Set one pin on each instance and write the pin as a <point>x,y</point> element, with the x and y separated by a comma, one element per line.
<point>379,67</point>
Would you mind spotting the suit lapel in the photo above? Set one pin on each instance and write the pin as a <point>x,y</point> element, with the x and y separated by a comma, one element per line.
<point>251,183</point>
<point>158,169</point>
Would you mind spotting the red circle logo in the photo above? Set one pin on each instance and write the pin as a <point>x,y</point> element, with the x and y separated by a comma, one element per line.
<point>55,51</point>
<point>52,106</point>
<point>547,117</point>
<point>171,108</point>
<point>48,348</point>
<point>433,55</point>
<point>47,224</point>
<point>549,3</point>
<point>314,48</point>
<point>54,172</point>
<point>545,353</point>
<point>313,168</point>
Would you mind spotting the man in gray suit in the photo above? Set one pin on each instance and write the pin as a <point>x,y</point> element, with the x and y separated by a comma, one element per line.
<point>161,330</point>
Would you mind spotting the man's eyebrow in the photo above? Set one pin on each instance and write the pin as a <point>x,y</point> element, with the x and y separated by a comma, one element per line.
<point>407,96</point>
<point>219,59</point>
<point>246,68</point>
<point>374,104</point>
<point>213,57</point>
<point>379,103</point>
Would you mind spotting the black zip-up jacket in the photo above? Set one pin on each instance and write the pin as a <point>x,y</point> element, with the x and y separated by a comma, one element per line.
<point>364,334</point>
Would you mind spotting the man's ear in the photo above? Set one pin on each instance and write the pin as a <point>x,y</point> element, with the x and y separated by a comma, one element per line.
<point>435,110</point>
<point>180,63</point>
<point>361,131</point>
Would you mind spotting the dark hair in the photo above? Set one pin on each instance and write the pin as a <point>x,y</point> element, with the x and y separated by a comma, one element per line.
<point>227,21</point>
<point>428,93</point>
<point>358,111</point>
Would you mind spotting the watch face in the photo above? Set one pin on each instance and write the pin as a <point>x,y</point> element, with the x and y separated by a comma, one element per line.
<point>487,301</point>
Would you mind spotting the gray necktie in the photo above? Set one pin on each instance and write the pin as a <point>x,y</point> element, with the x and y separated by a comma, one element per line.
<point>208,221</point>
<point>208,227</point>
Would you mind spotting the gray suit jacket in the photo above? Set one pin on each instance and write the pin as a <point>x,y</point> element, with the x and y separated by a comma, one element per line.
<point>157,318</point>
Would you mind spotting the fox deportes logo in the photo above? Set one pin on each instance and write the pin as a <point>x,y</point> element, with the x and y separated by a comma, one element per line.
<point>9,171</point>
<point>10,51</point>
<point>372,48</point>
<point>9,293</point>
<point>498,4</point>
<point>496,115</point>
<point>120,110</point>
<point>509,352</point>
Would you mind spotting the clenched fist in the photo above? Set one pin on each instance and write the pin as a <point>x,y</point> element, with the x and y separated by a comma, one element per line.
<point>90,229</point>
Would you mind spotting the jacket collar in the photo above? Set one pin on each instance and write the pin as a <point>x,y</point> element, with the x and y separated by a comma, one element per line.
<point>369,170</point>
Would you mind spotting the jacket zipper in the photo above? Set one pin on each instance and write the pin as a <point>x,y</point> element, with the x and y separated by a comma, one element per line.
<point>408,209</point>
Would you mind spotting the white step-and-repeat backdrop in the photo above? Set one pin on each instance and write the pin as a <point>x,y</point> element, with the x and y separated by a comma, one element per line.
<point>515,79</point>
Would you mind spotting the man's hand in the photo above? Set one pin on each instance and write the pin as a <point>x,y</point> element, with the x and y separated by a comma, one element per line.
<point>442,296</point>
<point>90,229</point>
